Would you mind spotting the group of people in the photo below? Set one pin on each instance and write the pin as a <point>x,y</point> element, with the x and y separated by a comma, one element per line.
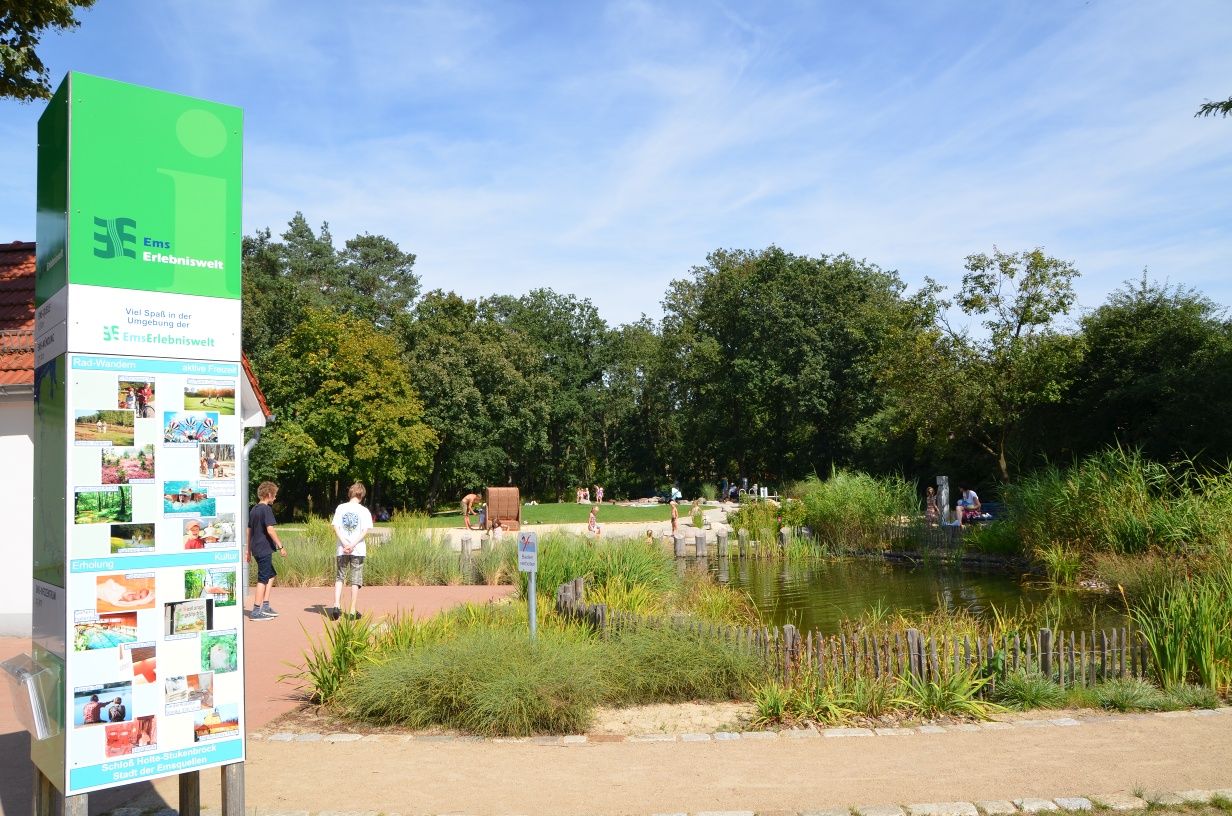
<point>583,495</point>
<point>351,522</point>
<point>92,711</point>
<point>966,508</point>
<point>136,399</point>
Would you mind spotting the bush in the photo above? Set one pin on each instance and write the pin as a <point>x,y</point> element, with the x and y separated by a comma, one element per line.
<point>1187,625</point>
<point>760,518</point>
<point>1128,694</point>
<point>1191,696</point>
<point>492,682</point>
<point>955,694</point>
<point>1028,690</point>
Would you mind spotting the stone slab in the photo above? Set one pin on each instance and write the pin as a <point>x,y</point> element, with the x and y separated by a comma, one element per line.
<point>759,735</point>
<point>800,733</point>
<point>1165,798</point>
<point>726,735</point>
<point>1036,805</point>
<point>281,736</point>
<point>307,737</point>
<point>1119,801</point>
<point>894,732</point>
<point>343,737</point>
<point>1035,724</point>
<point>847,732</point>
<point>827,812</point>
<point>962,727</point>
<point>574,739</point>
<point>1065,721</point>
<point>1196,797</point>
<point>996,725</point>
<point>930,729</point>
<point>878,810</point>
<point>943,809</point>
<point>653,738</point>
<point>695,738</point>
<point>1074,803</point>
<point>996,807</point>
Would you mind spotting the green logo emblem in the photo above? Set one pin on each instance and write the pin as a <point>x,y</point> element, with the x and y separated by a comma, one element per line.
<point>115,237</point>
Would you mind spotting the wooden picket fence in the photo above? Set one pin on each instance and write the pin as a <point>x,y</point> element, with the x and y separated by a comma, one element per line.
<point>1068,658</point>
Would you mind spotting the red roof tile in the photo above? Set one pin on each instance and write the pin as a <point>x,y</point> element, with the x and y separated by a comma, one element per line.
<point>17,313</point>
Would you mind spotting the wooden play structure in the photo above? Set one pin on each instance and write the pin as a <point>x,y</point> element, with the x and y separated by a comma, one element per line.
<point>504,504</point>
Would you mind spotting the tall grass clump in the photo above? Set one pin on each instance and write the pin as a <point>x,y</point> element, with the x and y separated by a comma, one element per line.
<point>492,682</point>
<point>851,511</point>
<point>1187,625</point>
<point>1117,501</point>
<point>1025,690</point>
<point>412,558</point>
<point>762,520</point>
<point>563,557</point>
<point>662,664</point>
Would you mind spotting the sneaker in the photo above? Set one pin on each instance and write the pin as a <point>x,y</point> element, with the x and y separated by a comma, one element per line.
<point>269,611</point>
<point>354,615</point>
<point>259,614</point>
<point>334,613</point>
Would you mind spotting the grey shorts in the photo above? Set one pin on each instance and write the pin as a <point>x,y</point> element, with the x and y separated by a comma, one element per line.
<point>356,563</point>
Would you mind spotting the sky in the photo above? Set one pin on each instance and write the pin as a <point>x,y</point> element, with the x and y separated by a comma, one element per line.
<point>604,148</point>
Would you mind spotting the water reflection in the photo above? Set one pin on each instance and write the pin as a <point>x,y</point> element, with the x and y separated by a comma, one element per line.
<point>818,595</point>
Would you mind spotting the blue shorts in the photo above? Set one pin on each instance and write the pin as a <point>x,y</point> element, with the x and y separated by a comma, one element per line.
<point>265,568</point>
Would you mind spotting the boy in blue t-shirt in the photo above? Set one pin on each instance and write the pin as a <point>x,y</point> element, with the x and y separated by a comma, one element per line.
<point>262,541</point>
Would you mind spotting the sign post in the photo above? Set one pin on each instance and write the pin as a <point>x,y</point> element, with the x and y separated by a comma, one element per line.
<point>138,595</point>
<point>528,561</point>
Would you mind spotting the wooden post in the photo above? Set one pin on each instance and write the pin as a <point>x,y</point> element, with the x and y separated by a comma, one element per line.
<point>699,544</point>
<point>678,542</point>
<point>1045,652</point>
<point>78,805</point>
<point>913,635</point>
<point>579,588</point>
<point>742,542</point>
<point>791,649</point>
<point>720,541</point>
<point>44,794</point>
<point>190,793</point>
<point>464,555</point>
<point>233,789</point>
<point>724,575</point>
<point>784,538</point>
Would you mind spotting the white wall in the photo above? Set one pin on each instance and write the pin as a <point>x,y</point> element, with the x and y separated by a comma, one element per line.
<point>16,544</point>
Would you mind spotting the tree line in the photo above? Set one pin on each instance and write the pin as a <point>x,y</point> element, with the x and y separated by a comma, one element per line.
<point>765,365</point>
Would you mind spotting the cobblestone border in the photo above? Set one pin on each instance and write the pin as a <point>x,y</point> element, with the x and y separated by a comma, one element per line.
<point>993,807</point>
<point>807,732</point>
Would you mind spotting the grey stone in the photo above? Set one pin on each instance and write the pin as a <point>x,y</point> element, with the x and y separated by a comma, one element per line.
<point>943,809</point>
<point>847,732</point>
<point>878,810</point>
<point>962,727</point>
<point>1174,715</point>
<point>1065,721</point>
<point>307,737</point>
<point>281,736</point>
<point>930,729</point>
<point>515,740</point>
<point>827,812</point>
<point>1204,712</point>
<point>256,735</point>
<point>435,738</point>
<point>996,725</point>
<point>343,737</point>
<point>808,732</point>
<point>997,807</point>
<point>1035,724</point>
<point>1035,805</point>
<point>376,737</point>
<point>726,735</point>
<point>574,739</point>
<point>1119,801</point>
<point>759,735</point>
<point>1074,803</point>
<point>894,732</point>
<point>545,740</point>
<point>1196,797</point>
<point>653,738</point>
<point>695,738</point>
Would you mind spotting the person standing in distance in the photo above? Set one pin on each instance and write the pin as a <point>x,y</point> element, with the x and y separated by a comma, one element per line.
<point>468,507</point>
<point>352,521</point>
<point>262,542</point>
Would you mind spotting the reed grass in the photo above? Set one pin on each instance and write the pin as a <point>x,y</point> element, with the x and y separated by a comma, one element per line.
<point>851,511</point>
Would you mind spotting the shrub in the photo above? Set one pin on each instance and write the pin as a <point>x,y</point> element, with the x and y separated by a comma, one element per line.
<point>760,518</point>
<point>1061,564</point>
<point>1190,696</point>
<point>1028,690</point>
<point>955,694</point>
<point>1187,625</point>
<point>709,491</point>
<point>771,700</point>
<point>343,648</point>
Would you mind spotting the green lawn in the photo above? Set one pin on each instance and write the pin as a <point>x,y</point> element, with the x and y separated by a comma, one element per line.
<point>555,513</point>
<point>223,405</point>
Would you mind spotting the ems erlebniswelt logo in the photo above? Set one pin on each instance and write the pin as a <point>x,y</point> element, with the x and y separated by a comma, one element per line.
<point>118,238</point>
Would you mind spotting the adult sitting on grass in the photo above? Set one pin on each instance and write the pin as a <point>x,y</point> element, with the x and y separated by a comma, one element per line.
<point>352,521</point>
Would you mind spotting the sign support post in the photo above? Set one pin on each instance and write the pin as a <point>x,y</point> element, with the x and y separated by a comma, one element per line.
<point>528,561</point>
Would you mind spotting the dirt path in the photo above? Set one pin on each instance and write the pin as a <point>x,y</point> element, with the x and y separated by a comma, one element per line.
<point>427,777</point>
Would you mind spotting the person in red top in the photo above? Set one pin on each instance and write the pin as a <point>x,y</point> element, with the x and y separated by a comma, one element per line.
<point>92,712</point>
<point>194,541</point>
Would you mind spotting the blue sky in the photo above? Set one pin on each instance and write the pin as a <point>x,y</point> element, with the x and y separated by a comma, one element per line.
<point>603,148</point>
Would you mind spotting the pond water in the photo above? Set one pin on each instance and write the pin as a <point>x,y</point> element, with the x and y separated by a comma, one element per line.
<point>819,594</point>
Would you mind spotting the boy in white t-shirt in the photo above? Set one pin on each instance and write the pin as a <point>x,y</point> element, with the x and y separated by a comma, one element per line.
<point>352,521</point>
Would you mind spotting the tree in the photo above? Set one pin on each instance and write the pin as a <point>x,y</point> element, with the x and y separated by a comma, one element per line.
<point>23,76</point>
<point>1209,108</point>
<point>1156,375</point>
<point>950,384</point>
<point>346,410</point>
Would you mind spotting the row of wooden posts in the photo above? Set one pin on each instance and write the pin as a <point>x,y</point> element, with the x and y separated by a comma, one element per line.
<point>1069,658</point>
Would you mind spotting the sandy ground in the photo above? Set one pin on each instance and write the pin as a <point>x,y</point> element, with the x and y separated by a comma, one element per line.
<point>685,718</point>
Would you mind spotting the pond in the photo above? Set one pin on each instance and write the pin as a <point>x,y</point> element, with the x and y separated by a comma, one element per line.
<point>819,594</point>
